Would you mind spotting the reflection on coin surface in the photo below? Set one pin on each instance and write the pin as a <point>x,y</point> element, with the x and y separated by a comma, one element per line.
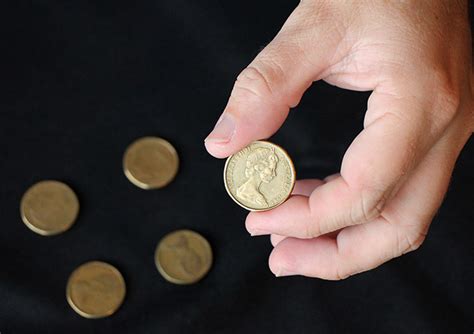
<point>49,207</point>
<point>259,177</point>
<point>183,257</point>
<point>150,163</point>
<point>95,290</point>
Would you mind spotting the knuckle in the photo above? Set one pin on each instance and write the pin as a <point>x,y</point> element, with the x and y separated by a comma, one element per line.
<point>448,93</point>
<point>410,242</point>
<point>410,236</point>
<point>370,205</point>
<point>341,274</point>
<point>314,228</point>
<point>311,230</point>
<point>340,271</point>
<point>444,95</point>
<point>255,81</point>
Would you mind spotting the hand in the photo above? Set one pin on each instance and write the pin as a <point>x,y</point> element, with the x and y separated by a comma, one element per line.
<point>416,58</point>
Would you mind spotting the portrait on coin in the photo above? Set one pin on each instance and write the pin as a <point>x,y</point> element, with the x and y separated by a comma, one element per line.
<point>260,167</point>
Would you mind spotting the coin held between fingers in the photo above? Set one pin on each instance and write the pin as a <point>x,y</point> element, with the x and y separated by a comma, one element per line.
<point>259,177</point>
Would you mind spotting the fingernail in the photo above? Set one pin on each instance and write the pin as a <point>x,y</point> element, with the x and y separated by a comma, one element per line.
<point>282,272</point>
<point>256,233</point>
<point>223,131</point>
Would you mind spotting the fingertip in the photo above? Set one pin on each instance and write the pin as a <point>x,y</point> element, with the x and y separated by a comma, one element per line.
<point>223,148</point>
<point>218,142</point>
<point>275,239</point>
<point>292,218</point>
<point>316,258</point>
<point>251,223</point>
<point>280,262</point>
<point>273,262</point>
<point>217,150</point>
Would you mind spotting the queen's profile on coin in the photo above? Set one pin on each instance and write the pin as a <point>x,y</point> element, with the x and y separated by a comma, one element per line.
<point>260,168</point>
<point>260,176</point>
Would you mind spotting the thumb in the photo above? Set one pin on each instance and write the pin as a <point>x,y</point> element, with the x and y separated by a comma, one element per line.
<point>273,83</point>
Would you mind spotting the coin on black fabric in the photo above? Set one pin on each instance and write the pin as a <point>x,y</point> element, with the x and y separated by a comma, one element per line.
<point>259,177</point>
<point>183,257</point>
<point>150,163</point>
<point>49,207</point>
<point>95,290</point>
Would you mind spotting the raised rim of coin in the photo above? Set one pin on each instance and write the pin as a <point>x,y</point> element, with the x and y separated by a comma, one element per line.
<point>292,168</point>
<point>175,280</point>
<point>67,225</point>
<point>159,141</point>
<point>77,308</point>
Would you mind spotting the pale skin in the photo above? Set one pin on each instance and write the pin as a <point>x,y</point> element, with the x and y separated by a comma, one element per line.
<point>416,58</point>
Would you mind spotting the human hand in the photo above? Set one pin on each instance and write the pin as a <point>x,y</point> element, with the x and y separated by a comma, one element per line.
<point>416,58</point>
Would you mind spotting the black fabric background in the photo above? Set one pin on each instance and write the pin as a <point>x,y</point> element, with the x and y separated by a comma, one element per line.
<point>104,73</point>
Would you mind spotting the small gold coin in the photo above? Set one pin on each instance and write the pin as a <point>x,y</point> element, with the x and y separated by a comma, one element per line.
<point>150,163</point>
<point>259,177</point>
<point>183,257</point>
<point>49,207</point>
<point>95,290</point>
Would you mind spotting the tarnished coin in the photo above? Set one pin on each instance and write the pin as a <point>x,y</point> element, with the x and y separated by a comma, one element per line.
<point>259,177</point>
<point>150,163</point>
<point>49,207</point>
<point>95,290</point>
<point>183,257</point>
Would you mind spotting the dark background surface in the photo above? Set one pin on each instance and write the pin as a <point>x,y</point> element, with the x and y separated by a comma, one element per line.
<point>104,73</point>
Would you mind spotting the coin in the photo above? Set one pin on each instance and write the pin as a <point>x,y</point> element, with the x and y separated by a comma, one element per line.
<point>49,207</point>
<point>183,257</point>
<point>150,163</point>
<point>95,290</point>
<point>259,177</point>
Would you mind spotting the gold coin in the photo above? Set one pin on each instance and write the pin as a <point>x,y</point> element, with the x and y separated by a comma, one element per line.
<point>150,162</point>
<point>259,177</point>
<point>49,207</point>
<point>95,290</point>
<point>183,257</point>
